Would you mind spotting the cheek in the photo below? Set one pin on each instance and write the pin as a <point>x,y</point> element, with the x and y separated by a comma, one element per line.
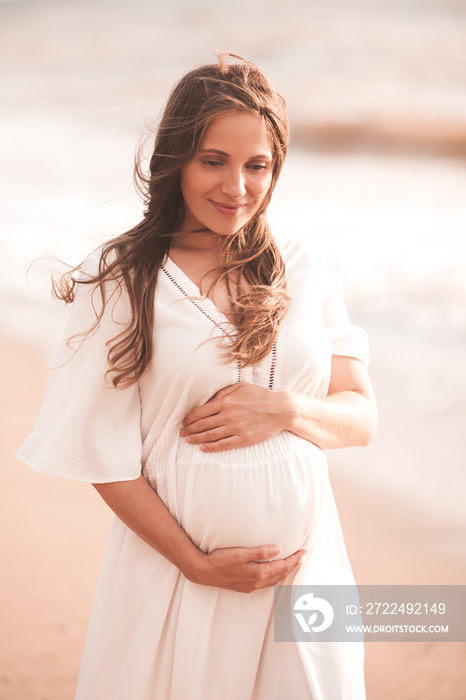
<point>196,183</point>
<point>260,190</point>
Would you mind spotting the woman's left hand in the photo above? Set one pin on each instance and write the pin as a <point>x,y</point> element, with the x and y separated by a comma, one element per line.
<point>245,414</point>
<point>236,416</point>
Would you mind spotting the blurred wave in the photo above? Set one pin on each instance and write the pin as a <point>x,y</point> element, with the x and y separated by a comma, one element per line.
<point>356,74</point>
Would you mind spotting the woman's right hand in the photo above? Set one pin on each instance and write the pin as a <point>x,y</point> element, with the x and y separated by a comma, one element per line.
<point>244,569</point>
<point>235,568</point>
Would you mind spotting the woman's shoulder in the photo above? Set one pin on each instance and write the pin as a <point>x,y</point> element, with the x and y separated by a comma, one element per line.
<point>306,264</point>
<point>98,292</point>
<point>93,263</point>
<point>300,251</point>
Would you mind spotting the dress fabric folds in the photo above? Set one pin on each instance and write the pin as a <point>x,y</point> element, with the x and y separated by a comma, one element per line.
<point>154,635</point>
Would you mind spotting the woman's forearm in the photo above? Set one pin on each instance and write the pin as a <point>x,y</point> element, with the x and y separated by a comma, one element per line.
<point>344,419</point>
<point>142,510</point>
<point>239,569</point>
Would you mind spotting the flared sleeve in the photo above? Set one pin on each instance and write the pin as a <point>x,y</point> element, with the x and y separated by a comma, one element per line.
<point>345,338</point>
<point>88,430</point>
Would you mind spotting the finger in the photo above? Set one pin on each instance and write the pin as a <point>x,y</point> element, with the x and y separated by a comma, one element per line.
<point>271,573</point>
<point>200,412</point>
<point>209,437</point>
<point>266,580</point>
<point>290,563</point>
<point>209,408</point>
<point>228,443</point>
<point>265,551</point>
<point>279,565</point>
<point>296,555</point>
<point>201,425</point>
<point>227,390</point>
<point>229,436</point>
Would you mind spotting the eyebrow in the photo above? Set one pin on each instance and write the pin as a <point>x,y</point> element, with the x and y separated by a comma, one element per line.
<point>261,156</point>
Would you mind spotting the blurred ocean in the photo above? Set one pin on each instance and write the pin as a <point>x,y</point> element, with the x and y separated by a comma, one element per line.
<point>376,173</point>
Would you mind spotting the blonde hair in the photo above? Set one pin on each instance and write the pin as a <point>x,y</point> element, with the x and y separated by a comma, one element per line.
<point>134,258</point>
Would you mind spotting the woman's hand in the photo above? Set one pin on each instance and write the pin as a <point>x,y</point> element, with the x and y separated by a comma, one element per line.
<point>235,568</point>
<point>236,416</point>
<point>245,414</point>
<point>244,570</point>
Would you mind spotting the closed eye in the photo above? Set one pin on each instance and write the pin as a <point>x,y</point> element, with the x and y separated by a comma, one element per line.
<point>257,166</point>
<point>212,163</point>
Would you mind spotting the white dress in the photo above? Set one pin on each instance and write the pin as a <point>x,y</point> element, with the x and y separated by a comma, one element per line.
<point>154,635</point>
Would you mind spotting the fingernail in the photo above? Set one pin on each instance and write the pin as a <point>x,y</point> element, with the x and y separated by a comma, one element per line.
<point>189,438</point>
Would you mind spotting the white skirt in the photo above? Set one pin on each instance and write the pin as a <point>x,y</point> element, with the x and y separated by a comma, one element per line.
<point>154,635</point>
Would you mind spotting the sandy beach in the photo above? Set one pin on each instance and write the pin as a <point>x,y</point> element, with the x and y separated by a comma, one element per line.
<point>53,533</point>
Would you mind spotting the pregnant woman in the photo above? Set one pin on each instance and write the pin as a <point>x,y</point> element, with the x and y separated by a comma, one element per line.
<point>205,367</point>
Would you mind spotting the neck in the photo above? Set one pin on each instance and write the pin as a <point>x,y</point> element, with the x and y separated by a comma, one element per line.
<point>197,240</point>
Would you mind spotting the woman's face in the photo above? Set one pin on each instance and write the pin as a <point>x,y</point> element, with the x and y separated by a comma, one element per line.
<point>225,183</point>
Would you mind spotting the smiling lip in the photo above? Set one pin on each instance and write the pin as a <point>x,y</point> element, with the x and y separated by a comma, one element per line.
<point>227,209</point>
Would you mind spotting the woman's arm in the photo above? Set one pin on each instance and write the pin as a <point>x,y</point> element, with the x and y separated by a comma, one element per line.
<point>244,414</point>
<point>346,417</point>
<point>235,568</point>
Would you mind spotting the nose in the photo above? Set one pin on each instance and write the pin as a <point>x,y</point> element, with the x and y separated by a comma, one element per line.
<point>233,184</point>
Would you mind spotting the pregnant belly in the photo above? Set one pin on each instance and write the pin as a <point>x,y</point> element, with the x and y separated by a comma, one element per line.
<point>269,493</point>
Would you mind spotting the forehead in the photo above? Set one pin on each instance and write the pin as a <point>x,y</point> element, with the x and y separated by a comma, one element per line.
<point>238,132</point>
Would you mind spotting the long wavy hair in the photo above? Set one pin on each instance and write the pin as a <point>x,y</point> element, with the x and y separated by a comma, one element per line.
<point>133,259</point>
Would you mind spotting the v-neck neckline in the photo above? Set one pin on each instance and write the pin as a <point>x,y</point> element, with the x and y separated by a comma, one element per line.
<point>187,285</point>
<point>183,283</point>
